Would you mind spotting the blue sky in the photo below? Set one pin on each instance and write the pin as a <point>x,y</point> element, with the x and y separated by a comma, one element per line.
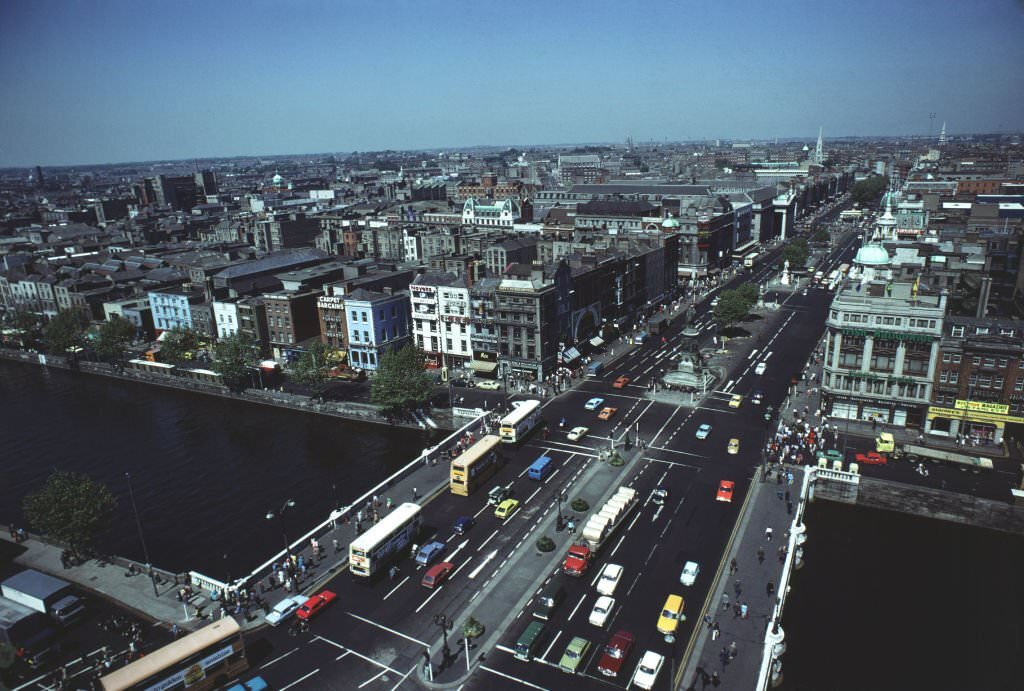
<point>91,82</point>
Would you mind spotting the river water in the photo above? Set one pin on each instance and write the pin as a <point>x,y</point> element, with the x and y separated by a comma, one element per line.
<point>891,601</point>
<point>205,471</point>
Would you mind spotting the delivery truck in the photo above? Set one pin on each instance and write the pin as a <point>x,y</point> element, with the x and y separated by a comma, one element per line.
<point>45,594</point>
<point>28,632</point>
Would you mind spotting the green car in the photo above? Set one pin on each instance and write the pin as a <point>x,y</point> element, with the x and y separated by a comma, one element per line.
<point>831,455</point>
<point>574,653</point>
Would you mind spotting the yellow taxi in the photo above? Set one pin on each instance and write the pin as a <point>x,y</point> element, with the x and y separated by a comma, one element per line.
<point>736,401</point>
<point>671,614</point>
<point>506,509</point>
<point>734,446</point>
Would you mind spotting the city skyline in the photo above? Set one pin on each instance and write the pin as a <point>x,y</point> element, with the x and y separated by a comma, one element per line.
<point>98,83</point>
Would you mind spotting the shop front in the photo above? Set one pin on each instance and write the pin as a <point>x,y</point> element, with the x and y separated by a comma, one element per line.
<point>977,421</point>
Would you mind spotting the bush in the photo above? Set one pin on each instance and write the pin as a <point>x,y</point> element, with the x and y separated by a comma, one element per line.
<point>579,505</point>
<point>616,460</point>
<point>545,544</point>
<point>472,628</point>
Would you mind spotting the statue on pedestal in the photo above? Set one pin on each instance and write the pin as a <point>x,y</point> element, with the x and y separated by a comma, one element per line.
<point>785,274</point>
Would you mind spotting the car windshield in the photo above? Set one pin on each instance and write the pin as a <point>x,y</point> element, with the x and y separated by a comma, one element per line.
<point>668,614</point>
<point>612,651</point>
<point>646,670</point>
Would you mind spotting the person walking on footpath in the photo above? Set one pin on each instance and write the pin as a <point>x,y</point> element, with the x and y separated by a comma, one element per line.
<point>337,545</point>
<point>768,533</point>
<point>760,556</point>
<point>415,494</point>
<point>733,566</point>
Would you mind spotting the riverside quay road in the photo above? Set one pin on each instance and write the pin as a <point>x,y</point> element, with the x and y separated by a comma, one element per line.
<point>388,633</point>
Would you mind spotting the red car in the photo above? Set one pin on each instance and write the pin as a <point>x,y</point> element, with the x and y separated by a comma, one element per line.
<point>621,382</point>
<point>615,653</point>
<point>871,458</point>
<point>313,605</point>
<point>725,488</point>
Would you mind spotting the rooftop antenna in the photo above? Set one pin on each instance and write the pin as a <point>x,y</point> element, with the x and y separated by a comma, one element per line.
<point>942,134</point>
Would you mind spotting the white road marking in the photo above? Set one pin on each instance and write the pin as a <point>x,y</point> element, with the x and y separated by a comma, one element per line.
<point>477,570</point>
<point>279,657</point>
<point>385,628</point>
<point>392,591</point>
<point>357,654</point>
<point>553,640</point>
<point>488,539</point>
<point>302,678</point>
<point>374,678</point>
<point>511,678</point>
<point>525,501</point>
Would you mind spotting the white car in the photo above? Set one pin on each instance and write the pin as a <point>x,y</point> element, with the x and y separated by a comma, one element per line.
<point>488,385</point>
<point>647,670</point>
<point>609,579</point>
<point>690,571</point>
<point>577,433</point>
<point>594,403</point>
<point>703,431</point>
<point>761,367</point>
<point>284,609</point>
<point>602,610</point>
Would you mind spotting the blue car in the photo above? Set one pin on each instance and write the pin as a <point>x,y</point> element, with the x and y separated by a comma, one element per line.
<point>463,524</point>
<point>429,553</point>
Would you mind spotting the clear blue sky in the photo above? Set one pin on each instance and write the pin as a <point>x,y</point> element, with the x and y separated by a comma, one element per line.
<point>102,81</point>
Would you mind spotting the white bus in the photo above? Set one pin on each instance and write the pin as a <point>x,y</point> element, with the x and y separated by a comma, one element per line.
<point>748,261</point>
<point>516,425</point>
<point>369,553</point>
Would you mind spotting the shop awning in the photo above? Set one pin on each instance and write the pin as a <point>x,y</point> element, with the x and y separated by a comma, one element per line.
<point>570,355</point>
<point>482,366</point>
<point>597,341</point>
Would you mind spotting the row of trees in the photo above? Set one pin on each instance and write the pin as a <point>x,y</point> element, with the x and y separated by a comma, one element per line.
<point>733,305</point>
<point>869,190</point>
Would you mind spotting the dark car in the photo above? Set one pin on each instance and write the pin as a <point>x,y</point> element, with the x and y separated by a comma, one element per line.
<point>463,524</point>
<point>614,654</point>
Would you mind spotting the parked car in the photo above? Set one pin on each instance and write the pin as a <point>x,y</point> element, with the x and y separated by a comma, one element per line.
<point>725,488</point>
<point>607,413</point>
<point>574,654</point>
<point>577,433</point>
<point>703,431</point>
<point>609,579</point>
<point>284,609</point>
<point>311,607</point>
<point>736,401</point>
<point>594,403</point>
<point>647,670</point>
<point>615,653</point>
<point>602,610</point>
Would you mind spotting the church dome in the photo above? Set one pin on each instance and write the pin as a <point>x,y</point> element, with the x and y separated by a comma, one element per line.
<point>670,223</point>
<point>872,255</point>
<point>277,179</point>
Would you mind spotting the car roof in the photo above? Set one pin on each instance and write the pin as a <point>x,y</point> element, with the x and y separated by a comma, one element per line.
<point>651,658</point>
<point>613,568</point>
<point>439,567</point>
<point>622,636</point>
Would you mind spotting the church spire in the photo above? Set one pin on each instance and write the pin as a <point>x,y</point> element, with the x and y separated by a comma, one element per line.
<point>819,149</point>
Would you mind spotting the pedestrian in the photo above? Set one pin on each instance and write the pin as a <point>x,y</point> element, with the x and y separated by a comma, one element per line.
<point>715,680</point>
<point>789,507</point>
<point>733,650</point>
<point>415,494</point>
<point>737,587</point>
<point>725,601</point>
<point>782,553</point>
<point>736,610</point>
<point>768,534</point>
<point>715,631</point>
<point>760,556</point>
<point>770,588</point>
<point>733,566</point>
<point>744,609</point>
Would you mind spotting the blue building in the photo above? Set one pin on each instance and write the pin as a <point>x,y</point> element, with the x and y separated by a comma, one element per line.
<point>173,309</point>
<point>375,323</point>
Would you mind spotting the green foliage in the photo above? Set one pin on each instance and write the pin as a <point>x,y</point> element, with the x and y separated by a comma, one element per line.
<point>732,306</point>
<point>869,190</point>
<point>115,335</point>
<point>796,252</point>
<point>233,356</point>
<point>821,236</point>
<point>64,331</point>
<point>579,505</point>
<point>178,341</point>
<point>545,544</point>
<point>313,367</point>
<point>29,326</point>
<point>749,292</point>
<point>71,508</point>
<point>401,380</point>
<point>472,628</point>
<point>616,460</point>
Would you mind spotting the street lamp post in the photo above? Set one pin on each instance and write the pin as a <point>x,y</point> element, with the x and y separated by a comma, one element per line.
<point>558,521</point>
<point>142,538</point>
<point>279,514</point>
<point>442,621</point>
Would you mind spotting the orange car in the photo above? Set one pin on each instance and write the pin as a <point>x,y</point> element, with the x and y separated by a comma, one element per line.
<point>621,382</point>
<point>607,413</point>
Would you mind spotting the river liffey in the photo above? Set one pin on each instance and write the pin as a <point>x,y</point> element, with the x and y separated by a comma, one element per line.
<point>205,471</point>
<point>891,601</point>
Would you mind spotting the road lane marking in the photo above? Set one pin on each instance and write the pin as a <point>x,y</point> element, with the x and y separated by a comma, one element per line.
<point>392,591</point>
<point>431,597</point>
<point>279,657</point>
<point>357,654</point>
<point>381,626</point>
<point>553,641</point>
<point>302,678</point>
<point>477,570</point>
<point>374,678</point>
<point>406,676</point>
<point>526,501</point>
<point>573,613</point>
<point>488,539</point>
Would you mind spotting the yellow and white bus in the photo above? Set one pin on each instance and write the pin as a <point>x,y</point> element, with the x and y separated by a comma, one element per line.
<point>474,465</point>
<point>382,544</point>
<point>206,659</point>
<point>516,425</point>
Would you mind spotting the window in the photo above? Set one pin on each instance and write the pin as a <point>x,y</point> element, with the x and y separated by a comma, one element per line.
<point>1002,363</point>
<point>943,376</point>
<point>355,316</point>
<point>981,330</point>
<point>954,377</point>
<point>1019,384</point>
<point>998,382</point>
<point>973,381</point>
<point>958,331</point>
<point>947,357</point>
<point>990,362</point>
<point>976,360</point>
<point>956,358</point>
<point>985,381</point>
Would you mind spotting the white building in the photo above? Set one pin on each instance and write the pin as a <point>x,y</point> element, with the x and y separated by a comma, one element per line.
<point>225,318</point>
<point>496,214</point>
<point>441,319</point>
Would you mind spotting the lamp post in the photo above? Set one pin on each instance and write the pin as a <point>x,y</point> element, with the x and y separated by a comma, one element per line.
<point>279,514</point>
<point>560,497</point>
<point>142,538</point>
<point>442,621</point>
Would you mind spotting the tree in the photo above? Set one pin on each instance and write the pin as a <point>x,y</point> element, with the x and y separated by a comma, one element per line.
<point>749,293</point>
<point>313,367</point>
<point>796,253</point>
<point>821,236</point>
<point>71,508</point>
<point>114,337</point>
<point>232,358</point>
<point>401,380</point>
<point>176,342</point>
<point>64,331</point>
<point>732,307</point>
<point>868,190</point>
<point>29,326</point>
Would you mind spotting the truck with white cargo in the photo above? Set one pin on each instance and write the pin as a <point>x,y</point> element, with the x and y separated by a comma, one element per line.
<point>45,594</point>
<point>598,528</point>
<point>28,632</point>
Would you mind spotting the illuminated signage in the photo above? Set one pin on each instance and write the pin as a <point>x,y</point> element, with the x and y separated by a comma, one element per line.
<point>982,407</point>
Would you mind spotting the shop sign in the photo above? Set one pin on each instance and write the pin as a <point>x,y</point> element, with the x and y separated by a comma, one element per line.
<point>886,335</point>
<point>974,416</point>
<point>982,406</point>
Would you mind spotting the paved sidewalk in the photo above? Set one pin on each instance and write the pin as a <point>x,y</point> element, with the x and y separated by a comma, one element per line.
<point>730,644</point>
